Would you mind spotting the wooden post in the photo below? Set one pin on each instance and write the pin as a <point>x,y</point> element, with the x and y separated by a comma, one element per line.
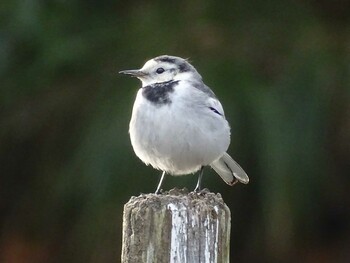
<point>176,227</point>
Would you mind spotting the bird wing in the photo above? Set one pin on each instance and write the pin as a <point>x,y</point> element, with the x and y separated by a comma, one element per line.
<point>207,97</point>
<point>215,106</point>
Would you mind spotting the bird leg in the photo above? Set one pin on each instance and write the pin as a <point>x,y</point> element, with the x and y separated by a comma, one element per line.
<point>160,183</point>
<point>199,182</point>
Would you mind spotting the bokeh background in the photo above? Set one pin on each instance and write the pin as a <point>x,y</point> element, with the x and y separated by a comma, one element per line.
<point>281,69</point>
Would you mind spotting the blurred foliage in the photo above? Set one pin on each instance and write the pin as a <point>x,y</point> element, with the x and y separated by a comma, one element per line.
<point>280,68</point>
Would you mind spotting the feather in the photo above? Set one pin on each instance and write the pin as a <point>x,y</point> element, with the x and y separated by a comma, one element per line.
<point>229,170</point>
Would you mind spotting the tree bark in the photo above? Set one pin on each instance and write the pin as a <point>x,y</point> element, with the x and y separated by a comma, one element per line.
<point>176,227</point>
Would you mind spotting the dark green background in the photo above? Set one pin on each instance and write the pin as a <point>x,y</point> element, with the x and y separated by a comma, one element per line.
<point>280,68</point>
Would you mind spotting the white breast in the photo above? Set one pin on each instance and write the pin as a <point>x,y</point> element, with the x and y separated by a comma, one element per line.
<point>179,137</point>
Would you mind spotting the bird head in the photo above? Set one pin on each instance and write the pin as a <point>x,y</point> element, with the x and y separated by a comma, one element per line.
<point>162,69</point>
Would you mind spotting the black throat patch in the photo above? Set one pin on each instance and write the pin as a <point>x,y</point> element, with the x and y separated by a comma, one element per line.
<point>158,93</point>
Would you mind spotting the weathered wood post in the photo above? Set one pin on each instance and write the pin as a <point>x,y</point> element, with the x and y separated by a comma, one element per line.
<point>176,227</point>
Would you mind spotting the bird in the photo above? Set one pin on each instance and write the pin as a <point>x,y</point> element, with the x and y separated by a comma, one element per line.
<point>178,125</point>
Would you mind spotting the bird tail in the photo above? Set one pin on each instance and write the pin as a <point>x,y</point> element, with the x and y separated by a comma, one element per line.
<point>229,170</point>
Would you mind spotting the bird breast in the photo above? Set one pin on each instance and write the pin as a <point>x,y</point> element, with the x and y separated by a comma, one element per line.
<point>178,133</point>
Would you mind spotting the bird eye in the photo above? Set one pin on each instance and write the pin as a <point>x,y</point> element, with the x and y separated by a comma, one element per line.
<point>160,70</point>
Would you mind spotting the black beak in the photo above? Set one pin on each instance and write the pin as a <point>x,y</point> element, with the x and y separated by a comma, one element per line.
<point>133,73</point>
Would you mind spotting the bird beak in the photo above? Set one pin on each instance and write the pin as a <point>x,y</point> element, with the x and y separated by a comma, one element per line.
<point>133,72</point>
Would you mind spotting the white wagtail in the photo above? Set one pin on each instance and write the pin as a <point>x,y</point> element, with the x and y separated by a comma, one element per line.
<point>178,125</point>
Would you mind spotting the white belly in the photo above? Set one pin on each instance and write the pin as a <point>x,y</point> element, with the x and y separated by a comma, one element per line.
<point>177,138</point>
